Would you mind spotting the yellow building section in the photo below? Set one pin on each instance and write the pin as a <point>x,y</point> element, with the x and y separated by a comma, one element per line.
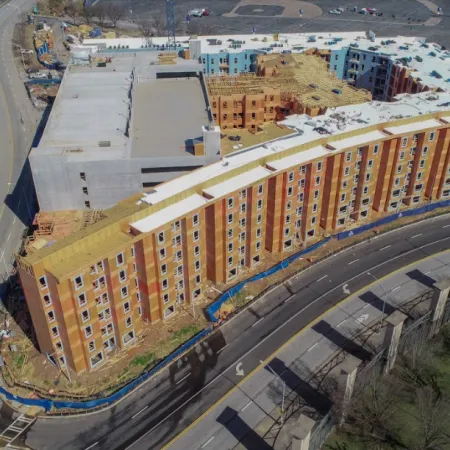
<point>306,79</point>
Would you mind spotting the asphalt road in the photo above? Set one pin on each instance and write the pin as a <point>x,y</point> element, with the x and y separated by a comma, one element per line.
<point>168,403</point>
<point>402,17</point>
<point>18,122</point>
<point>245,417</point>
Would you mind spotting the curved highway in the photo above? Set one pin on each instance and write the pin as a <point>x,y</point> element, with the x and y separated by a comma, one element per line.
<point>164,406</point>
<point>18,123</point>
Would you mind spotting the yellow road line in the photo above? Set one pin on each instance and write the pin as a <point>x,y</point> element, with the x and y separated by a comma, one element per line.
<point>316,320</point>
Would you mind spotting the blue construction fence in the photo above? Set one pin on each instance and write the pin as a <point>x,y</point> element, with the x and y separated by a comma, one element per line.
<point>49,404</point>
<point>385,220</point>
<point>211,311</point>
<point>215,307</point>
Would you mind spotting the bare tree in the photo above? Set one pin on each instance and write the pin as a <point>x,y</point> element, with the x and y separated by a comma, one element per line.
<point>72,10</point>
<point>416,368</point>
<point>179,25</point>
<point>99,14</point>
<point>193,28</point>
<point>206,30</point>
<point>87,13</point>
<point>114,13</point>
<point>55,6</point>
<point>372,415</point>
<point>433,422</point>
<point>159,25</point>
<point>145,27</point>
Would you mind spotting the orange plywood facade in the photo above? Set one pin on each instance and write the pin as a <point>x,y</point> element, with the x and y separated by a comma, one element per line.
<point>81,309</point>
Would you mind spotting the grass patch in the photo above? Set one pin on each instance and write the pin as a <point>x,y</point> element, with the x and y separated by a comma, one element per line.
<point>143,360</point>
<point>186,332</point>
<point>18,359</point>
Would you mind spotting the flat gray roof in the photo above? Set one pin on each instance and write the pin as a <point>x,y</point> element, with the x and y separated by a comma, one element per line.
<point>167,115</point>
<point>91,106</point>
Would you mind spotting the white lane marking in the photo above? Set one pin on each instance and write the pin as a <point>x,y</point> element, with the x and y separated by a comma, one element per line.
<point>9,236</point>
<point>246,406</point>
<point>14,221</point>
<point>366,306</point>
<point>351,262</point>
<point>310,348</point>
<point>220,349</point>
<point>416,235</point>
<point>179,381</point>
<point>257,321</point>
<point>384,248</point>
<point>289,298</point>
<point>446,226</point>
<point>293,317</point>
<point>142,410</point>
<point>339,324</point>
<point>426,273</point>
<point>320,279</point>
<point>208,441</point>
<point>398,287</point>
<point>91,446</point>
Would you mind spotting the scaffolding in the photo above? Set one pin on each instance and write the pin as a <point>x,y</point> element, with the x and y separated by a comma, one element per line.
<point>49,227</point>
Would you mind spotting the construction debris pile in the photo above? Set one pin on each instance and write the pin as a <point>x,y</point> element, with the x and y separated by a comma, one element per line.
<point>42,92</point>
<point>43,43</point>
<point>49,227</point>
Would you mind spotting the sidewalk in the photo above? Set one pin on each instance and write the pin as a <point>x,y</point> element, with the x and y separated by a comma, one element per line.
<point>248,417</point>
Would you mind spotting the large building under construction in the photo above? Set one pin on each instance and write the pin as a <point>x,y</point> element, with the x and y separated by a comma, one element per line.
<point>283,84</point>
<point>92,291</point>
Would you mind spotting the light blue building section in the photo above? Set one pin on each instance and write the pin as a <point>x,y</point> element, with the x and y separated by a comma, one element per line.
<point>231,63</point>
<point>364,68</point>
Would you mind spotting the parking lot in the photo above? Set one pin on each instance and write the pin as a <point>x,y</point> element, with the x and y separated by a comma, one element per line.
<point>402,17</point>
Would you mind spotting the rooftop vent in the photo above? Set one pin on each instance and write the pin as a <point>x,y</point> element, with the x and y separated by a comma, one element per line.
<point>104,144</point>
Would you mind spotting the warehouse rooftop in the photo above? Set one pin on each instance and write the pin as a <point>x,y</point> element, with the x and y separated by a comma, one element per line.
<point>123,110</point>
<point>168,117</point>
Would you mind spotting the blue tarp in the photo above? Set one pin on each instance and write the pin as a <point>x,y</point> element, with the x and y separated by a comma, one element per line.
<point>212,310</point>
<point>391,218</point>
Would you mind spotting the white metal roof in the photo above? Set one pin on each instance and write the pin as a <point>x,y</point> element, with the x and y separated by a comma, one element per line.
<point>299,158</point>
<point>169,214</point>
<point>361,139</point>
<point>239,182</point>
<point>411,127</point>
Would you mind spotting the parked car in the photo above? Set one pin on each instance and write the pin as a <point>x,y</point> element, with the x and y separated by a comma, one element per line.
<point>341,9</point>
<point>38,76</point>
<point>334,11</point>
<point>198,12</point>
